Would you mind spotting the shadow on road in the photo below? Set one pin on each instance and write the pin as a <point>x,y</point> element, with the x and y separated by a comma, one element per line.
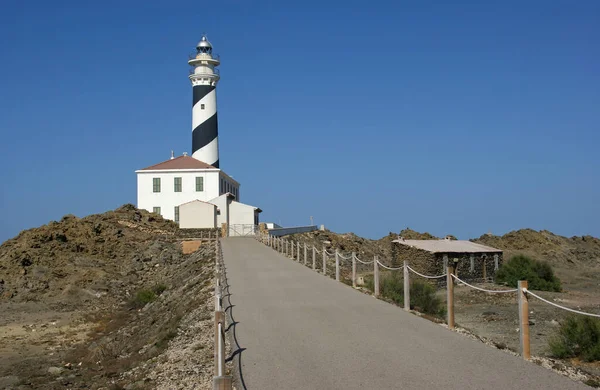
<point>231,329</point>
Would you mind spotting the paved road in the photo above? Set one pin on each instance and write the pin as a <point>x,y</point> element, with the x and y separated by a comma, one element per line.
<point>301,330</point>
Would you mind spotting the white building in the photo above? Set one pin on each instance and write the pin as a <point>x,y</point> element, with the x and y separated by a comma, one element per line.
<point>163,187</point>
<point>190,190</point>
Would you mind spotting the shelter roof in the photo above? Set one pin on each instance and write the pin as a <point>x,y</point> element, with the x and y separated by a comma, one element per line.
<point>448,246</point>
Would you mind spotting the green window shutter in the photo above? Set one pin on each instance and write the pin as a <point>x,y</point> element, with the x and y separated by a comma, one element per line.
<point>199,184</point>
<point>156,184</point>
<point>177,214</point>
<point>156,210</point>
<point>177,184</point>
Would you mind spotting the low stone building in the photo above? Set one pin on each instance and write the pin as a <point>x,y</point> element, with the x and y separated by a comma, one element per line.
<point>474,262</point>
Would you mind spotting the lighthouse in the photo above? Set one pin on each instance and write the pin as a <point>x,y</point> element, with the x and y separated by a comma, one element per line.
<point>192,190</point>
<point>204,77</point>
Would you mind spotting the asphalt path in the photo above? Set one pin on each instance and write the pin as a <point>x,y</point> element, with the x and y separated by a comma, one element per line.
<point>297,329</point>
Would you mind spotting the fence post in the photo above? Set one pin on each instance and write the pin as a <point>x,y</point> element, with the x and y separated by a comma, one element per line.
<point>219,358</point>
<point>292,253</point>
<point>406,287</point>
<point>450,296</point>
<point>354,269</point>
<point>298,251</point>
<point>305,252</point>
<point>314,258</point>
<point>376,277</point>
<point>220,380</point>
<point>324,261</point>
<point>337,266</point>
<point>524,319</point>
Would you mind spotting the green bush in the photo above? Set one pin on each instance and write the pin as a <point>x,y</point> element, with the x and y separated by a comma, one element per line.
<point>392,287</point>
<point>578,336</point>
<point>144,297</point>
<point>422,298</point>
<point>539,274</point>
<point>422,294</point>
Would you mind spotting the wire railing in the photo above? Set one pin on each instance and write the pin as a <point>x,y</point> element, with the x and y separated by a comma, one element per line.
<point>220,380</point>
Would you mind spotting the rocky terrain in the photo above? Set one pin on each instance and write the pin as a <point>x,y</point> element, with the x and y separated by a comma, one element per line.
<point>107,301</point>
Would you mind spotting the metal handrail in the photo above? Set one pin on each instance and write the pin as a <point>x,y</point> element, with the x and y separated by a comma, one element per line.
<point>193,56</point>
<point>215,71</point>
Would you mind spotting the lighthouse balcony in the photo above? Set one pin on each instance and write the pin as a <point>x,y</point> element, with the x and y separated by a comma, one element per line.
<point>203,73</point>
<point>205,59</point>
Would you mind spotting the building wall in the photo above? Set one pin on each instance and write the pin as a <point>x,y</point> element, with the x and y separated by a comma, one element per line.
<point>197,215</point>
<point>222,202</point>
<point>167,198</point>
<point>227,184</point>
<point>242,214</point>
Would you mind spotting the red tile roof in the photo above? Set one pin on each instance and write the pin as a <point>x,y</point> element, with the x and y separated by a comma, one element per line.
<point>181,162</point>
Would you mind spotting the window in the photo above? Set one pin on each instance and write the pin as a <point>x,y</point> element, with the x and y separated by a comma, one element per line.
<point>202,106</point>
<point>156,184</point>
<point>177,185</point>
<point>156,210</point>
<point>177,214</point>
<point>199,184</point>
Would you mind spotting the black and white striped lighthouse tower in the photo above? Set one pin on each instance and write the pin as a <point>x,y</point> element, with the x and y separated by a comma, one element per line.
<point>204,77</point>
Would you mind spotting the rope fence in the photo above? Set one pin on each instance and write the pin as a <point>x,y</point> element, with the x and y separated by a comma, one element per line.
<point>426,276</point>
<point>559,306</point>
<point>363,262</point>
<point>281,245</point>
<point>483,289</point>
<point>389,268</point>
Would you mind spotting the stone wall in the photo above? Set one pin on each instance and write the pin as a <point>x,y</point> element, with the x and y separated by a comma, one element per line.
<point>196,233</point>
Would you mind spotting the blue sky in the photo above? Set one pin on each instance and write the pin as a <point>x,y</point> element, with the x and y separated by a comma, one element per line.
<point>371,117</point>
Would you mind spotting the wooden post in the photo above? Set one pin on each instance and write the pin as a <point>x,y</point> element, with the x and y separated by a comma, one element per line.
<point>450,296</point>
<point>354,269</point>
<point>314,258</point>
<point>484,269</point>
<point>376,277</point>
<point>337,266</point>
<point>406,287</point>
<point>305,253</point>
<point>298,251</point>
<point>324,261</point>
<point>219,359</point>
<point>292,253</point>
<point>523,319</point>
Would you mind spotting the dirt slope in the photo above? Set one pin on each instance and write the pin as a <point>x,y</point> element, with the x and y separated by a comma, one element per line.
<point>72,316</point>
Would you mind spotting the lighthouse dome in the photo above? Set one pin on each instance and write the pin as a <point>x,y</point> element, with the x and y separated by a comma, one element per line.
<point>204,46</point>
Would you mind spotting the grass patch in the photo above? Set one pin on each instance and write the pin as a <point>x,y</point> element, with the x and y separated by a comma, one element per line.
<point>145,296</point>
<point>539,274</point>
<point>579,337</point>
